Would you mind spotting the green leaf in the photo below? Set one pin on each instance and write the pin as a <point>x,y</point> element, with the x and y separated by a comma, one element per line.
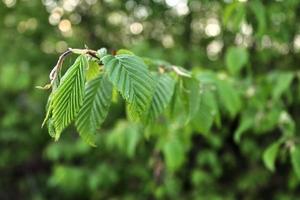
<point>295,159</point>
<point>247,121</point>
<point>51,128</point>
<point>68,98</point>
<point>270,155</point>
<point>228,97</point>
<point>131,77</point>
<point>124,137</point>
<point>287,124</point>
<point>204,117</point>
<point>258,10</point>
<point>93,70</point>
<point>282,83</point>
<point>162,96</point>
<point>174,153</point>
<point>234,15</point>
<point>236,58</point>
<point>98,94</point>
<point>49,107</point>
<point>190,93</point>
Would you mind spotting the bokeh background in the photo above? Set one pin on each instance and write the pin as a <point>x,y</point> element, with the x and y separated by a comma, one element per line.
<point>260,38</point>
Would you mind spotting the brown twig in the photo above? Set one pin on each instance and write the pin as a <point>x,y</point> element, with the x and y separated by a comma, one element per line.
<point>55,70</point>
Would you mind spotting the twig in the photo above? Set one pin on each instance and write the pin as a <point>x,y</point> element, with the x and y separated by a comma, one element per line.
<point>55,70</point>
<point>179,71</point>
<point>57,67</point>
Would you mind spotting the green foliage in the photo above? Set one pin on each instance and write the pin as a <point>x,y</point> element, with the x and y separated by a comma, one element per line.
<point>98,93</point>
<point>282,83</point>
<point>130,76</point>
<point>203,120</point>
<point>235,59</point>
<point>190,92</point>
<point>162,96</point>
<point>124,137</point>
<point>258,10</point>
<point>245,124</point>
<point>295,159</point>
<point>68,98</point>
<point>270,155</point>
<point>228,97</point>
<point>93,70</point>
<point>174,153</point>
<point>215,144</point>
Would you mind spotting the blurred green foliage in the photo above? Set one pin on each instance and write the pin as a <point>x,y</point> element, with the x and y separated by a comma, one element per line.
<point>243,145</point>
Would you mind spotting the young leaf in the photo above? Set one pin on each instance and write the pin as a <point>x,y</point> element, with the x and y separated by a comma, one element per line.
<point>270,154</point>
<point>130,76</point>
<point>98,93</point>
<point>101,52</point>
<point>162,96</point>
<point>295,159</point>
<point>68,98</point>
<point>93,70</point>
<point>236,58</point>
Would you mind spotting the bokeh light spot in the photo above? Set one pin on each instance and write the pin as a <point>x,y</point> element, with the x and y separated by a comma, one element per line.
<point>136,28</point>
<point>65,25</point>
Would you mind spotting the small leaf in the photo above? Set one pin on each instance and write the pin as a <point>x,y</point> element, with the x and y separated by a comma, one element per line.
<point>236,58</point>
<point>228,97</point>
<point>245,124</point>
<point>282,83</point>
<point>68,98</point>
<point>295,159</point>
<point>270,155</point>
<point>98,94</point>
<point>130,76</point>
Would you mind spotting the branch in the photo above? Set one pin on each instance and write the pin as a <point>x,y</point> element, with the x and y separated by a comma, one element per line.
<point>57,67</point>
<point>53,74</point>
